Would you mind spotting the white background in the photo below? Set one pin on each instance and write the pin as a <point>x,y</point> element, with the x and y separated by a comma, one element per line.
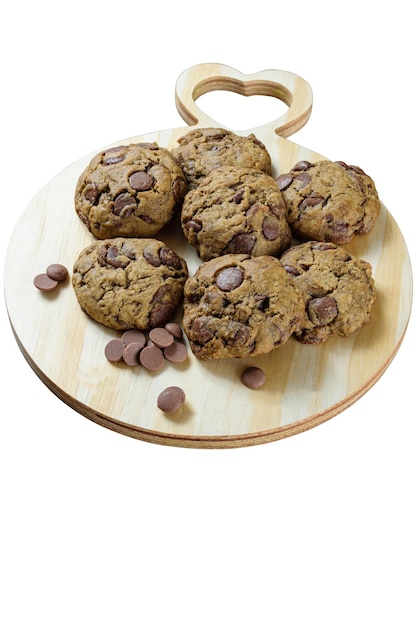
<point>98,528</point>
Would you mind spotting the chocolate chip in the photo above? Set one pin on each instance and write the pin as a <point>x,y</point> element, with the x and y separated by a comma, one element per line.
<point>310,201</point>
<point>91,193</point>
<point>284,181</point>
<point>175,329</point>
<point>176,352</point>
<point>291,270</point>
<point>152,358</point>
<point>141,181</point>
<point>253,377</point>
<point>56,271</point>
<point>262,302</point>
<point>200,331</point>
<point>114,350</point>
<point>161,337</point>
<point>146,218</point>
<point>242,243</point>
<point>270,227</point>
<point>303,180</point>
<point>44,282</point>
<point>302,166</point>
<point>109,159</point>
<point>122,202</point>
<point>161,313</point>
<point>151,258</point>
<point>113,259</point>
<point>148,145</point>
<point>170,258</point>
<point>131,353</point>
<point>322,245</point>
<point>241,335</point>
<point>171,399</point>
<point>133,336</point>
<point>322,311</point>
<point>179,189</point>
<point>229,278</point>
<point>237,198</point>
<point>193,225</point>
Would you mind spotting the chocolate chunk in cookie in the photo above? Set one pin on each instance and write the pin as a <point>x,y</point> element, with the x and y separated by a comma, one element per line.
<point>236,211</point>
<point>329,201</point>
<point>338,290</point>
<point>203,149</point>
<point>129,283</point>
<point>130,191</point>
<point>238,306</point>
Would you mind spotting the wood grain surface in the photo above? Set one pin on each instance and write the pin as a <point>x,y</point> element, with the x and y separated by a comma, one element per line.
<point>306,385</point>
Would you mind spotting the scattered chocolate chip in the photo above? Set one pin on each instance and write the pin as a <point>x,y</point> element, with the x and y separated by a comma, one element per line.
<point>171,399</point>
<point>176,352</point>
<point>161,337</point>
<point>114,350</point>
<point>44,282</point>
<point>56,271</point>
<point>229,278</point>
<point>141,181</point>
<point>133,336</point>
<point>175,329</point>
<point>152,358</point>
<point>131,353</point>
<point>253,377</point>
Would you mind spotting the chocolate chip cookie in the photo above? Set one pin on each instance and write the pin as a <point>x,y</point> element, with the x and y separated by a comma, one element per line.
<point>329,201</point>
<point>130,191</point>
<point>203,149</point>
<point>236,211</point>
<point>237,306</point>
<point>129,283</point>
<point>338,290</point>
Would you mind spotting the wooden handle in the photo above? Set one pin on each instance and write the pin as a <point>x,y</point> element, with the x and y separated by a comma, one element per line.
<point>294,91</point>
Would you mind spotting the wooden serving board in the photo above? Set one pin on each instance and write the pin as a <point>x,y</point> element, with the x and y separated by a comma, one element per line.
<point>306,385</point>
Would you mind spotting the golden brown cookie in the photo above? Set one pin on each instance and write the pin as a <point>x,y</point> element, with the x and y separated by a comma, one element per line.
<point>129,283</point>
<point>130,191</point>
<point>236,211</point>
<point>239,306</point>
<point>203,149</point>
<point>329,201</point>
<point>338,289</point>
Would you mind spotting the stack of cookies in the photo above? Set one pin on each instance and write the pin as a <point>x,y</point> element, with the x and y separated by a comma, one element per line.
<point>272,261</point>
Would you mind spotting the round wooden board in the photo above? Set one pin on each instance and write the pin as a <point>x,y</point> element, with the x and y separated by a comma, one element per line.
<point>306,385</point>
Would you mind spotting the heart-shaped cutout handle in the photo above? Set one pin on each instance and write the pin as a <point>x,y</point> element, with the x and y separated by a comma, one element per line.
<point>291,89</point>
